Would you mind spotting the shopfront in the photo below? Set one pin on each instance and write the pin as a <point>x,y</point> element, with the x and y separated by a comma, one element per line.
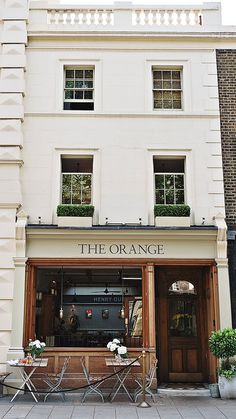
<point>125,286</point>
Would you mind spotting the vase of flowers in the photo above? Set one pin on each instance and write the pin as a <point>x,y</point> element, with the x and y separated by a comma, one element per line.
<point>36,348</point>
<point>120,351</point>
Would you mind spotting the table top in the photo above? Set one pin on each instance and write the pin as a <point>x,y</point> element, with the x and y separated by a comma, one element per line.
<point>112,362</point>
<point>39,362</point>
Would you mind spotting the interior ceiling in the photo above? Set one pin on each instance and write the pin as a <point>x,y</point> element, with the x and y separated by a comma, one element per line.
<point>90,276</point>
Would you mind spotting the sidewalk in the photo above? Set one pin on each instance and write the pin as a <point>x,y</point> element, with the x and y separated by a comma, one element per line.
<point>163,408</point>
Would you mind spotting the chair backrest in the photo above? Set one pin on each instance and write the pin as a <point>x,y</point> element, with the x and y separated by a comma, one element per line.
<point>152,371</point>
<point>63,370</point>
<point>85,371</point>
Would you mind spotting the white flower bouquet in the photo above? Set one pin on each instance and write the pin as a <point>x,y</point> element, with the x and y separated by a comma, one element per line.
<point>117,348</point>
<point>36,347</point>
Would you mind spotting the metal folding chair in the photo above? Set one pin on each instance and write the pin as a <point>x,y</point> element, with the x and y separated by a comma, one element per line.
<point>54,382</point>
<point>92,388</point>
<point>149,380</point>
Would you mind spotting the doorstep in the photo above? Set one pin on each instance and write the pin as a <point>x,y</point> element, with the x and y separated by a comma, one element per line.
<point>184,389</point>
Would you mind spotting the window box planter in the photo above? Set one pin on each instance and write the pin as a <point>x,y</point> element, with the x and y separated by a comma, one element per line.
<point>75,215</point>
<point>172,215</point>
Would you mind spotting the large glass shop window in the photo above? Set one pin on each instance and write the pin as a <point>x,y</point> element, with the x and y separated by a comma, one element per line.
<point>88,307</point>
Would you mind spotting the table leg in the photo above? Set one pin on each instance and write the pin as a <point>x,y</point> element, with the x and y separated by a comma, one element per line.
<point>26,381</point>
<point>121,378</point>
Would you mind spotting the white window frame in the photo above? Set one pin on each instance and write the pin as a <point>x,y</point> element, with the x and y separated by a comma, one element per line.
<point>59,152</point>
<point>84,68</point>
<point>185,67</point>
<point>166,174</point>
<point>60,81</point>
<point>169,153</point>
<point>171,69</point>
<point>81,192</point>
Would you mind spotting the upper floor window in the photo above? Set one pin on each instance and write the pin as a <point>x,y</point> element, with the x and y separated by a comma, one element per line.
<point>167,88</point>
<point>76,180</point>
<point>79,88</point>
<point>169,181</point>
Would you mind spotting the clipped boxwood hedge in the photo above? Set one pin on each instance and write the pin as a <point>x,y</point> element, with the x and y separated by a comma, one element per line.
<point>75,210</point>
<point>171,210</point>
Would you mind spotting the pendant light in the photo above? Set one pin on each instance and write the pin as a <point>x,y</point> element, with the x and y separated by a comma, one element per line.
<point>122,310</point>
<point>61,309</point>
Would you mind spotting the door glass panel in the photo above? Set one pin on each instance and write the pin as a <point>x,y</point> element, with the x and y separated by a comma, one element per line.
<point>182,317</point>
<point>182,287</point>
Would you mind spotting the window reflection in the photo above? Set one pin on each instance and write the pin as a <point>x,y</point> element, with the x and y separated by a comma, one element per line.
<point>92,300</point>
<point>182,318</point>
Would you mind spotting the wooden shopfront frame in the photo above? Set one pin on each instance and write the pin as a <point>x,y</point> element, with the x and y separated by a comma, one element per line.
<point>149,309</point>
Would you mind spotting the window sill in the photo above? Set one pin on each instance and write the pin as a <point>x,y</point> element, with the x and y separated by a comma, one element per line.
<point>75,221</point>
<point>172,221</point>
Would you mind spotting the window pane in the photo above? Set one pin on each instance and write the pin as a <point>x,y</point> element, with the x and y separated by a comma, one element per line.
<point>170,197</point>
<point>91,312</point>
<point>79,74</point>
<point>88,94</point>
<point>167,104</point>
<point>166,75</point>
<point>88,74</point>
<point>157,84</point>
<point>176,75</point>
<point>79,84</point>
<point>157,104</point>
<point>160,197</point>
<point>176,95</point>
<point>177,104</point>
<point>70,83</point>
<point>76,198</point>
<point>182,317</point>
<point>159,181</point>
<point>176,85</point>
<point>157,74</point>
<point>66,197</point>
<point>167,95</point>
<point>157,95</point>
<point>169,182</point>
<point>69,74</point>
<point>69,94</point>
<point>179,181</point>
<point>167,85</point>
<point>179,196</point>
<point>78,94</point>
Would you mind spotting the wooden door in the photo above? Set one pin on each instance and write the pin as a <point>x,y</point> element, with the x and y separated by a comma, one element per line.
<point>182,322</point>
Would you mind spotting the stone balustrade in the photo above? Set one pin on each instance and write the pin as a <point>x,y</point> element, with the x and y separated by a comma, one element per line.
<point>123,16</point>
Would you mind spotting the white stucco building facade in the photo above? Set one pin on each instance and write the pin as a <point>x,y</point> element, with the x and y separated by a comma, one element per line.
<point>130,95</point>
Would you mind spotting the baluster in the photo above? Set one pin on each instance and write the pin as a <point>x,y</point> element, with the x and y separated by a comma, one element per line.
<point>76,19</point>
<point>84,17</point>
<point>169,17</point>
<point>109,17</point>
<point>68,17</point>
<point>138,17</point>
<point>61,17</point>
<point>146,17</point>
<point>92,17</point>
<point>195,18</point>
<point>100,17</point>
<point>52,18</point>
<point>162,17</point>
<point>188,17</point>
<point>154,17</point>
<point>179,17</point>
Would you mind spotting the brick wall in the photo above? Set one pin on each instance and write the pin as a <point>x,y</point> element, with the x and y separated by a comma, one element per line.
<point>226,66</point>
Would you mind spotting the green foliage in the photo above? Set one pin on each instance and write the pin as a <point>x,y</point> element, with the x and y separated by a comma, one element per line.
<point>222,343</point>
<point>228,369</point>
<point>171,210</point>
<point>75,210</point>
